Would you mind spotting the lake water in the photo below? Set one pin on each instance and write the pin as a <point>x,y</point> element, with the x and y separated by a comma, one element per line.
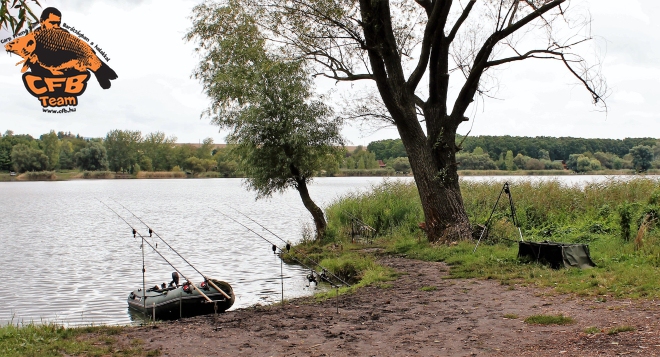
<point>68,259</point>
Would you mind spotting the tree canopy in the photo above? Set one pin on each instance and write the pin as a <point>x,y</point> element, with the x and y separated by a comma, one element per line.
<point>279,132</point>
<point>412,51</point>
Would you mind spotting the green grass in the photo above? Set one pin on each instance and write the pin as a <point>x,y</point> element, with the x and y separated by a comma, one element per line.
<point>428,288</point>
<point>549,320</point>
<point>592,330</point>
<point>615,330</point>
<point>510,316</point>
<point>54,340</point>
<point>546,210</point>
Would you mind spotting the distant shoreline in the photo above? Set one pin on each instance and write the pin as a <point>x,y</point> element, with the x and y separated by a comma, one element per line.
<point>108,175</point>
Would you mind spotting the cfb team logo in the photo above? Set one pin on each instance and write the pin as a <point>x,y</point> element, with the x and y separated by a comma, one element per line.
<point>56,63</point>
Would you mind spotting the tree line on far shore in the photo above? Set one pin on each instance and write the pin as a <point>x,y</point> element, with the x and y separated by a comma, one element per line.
<point>541,153</point>
<point>130,152</point>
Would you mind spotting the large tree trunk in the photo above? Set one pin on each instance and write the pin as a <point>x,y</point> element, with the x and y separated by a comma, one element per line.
<point>434,167</point>
<point>317,213</point>
<point>431,154</point>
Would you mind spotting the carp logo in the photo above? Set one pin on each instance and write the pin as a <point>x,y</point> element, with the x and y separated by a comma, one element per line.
<point>59,63</point>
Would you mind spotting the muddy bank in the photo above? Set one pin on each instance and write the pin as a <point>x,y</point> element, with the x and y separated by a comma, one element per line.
<point>449,317</point>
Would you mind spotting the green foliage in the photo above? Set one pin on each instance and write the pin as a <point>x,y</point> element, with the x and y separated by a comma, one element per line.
<point>618,329</point>
<point>508,161</point>
<point>549,320</point>
<point>50,340</point>
<point>401,164</point>
<point>51,146</point>
<point>387,149</point>
<point>38,176</point>
<point>557,148</point>
<point>92,158</point>
<point>121,146</point>
<point>280,134</point>
<point>26,158</point>
<point>389,206</point>
<point>98,174</point>
<point>428,288</point>
<point>642,156</point>
<point>15,15</point>
<point>475,161</point>
<point>592,330</point>
<point>160,150</point>
<point>625,219</point>
<point>547,211</point>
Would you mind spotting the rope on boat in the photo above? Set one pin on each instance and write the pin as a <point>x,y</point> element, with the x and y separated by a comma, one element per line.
<point>174,250</point>
<point>288,247</point>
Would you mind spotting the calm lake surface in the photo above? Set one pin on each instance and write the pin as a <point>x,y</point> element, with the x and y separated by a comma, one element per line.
<point>66,258</point>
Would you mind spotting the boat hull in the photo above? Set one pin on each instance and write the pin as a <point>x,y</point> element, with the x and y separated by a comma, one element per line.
<point>176,303</point>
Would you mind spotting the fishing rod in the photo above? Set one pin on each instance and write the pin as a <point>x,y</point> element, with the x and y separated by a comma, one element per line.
<point>264,238</point>
<point>288,245</point>
<point>135,232</point>
<point>144,300</point>
<point>174,250</point>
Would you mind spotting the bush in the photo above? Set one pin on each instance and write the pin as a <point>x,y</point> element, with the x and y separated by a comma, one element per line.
<point>534,164</point>
<point>98,175</point>
<point>38,176</point>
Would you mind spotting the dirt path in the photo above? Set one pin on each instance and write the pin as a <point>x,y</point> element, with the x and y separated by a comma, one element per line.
<point>459,318</point>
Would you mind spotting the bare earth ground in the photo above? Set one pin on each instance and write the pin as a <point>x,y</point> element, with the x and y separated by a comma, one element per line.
<point>460,318</point>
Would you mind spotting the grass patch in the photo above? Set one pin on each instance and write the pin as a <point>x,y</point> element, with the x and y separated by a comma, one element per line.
<point>510,316</point>
<point>615,330</point>
<point>547,210</point>
<point>592,330</point>
<point>428,288</point>
<point>54,340</point>
<point>549,320</point>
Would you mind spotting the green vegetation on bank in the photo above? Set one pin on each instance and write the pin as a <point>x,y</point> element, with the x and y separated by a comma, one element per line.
<point>54,340</point>
<point>156,155</point>
<point>617,219</point>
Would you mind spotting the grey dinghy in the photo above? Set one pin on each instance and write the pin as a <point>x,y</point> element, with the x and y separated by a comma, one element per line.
<point>182,301</point>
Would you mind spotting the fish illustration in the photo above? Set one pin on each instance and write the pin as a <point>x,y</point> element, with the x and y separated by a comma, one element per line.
<point>58,51</point>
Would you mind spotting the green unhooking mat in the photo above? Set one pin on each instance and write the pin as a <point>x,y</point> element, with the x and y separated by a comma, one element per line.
<point>555,254</point>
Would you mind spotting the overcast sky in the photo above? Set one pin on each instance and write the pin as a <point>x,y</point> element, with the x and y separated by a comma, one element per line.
<point>154,91</point>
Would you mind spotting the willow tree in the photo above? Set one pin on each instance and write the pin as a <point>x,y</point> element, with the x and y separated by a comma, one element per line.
<point>414,51</point>
<point>280,133</point>
<point>17,14</point>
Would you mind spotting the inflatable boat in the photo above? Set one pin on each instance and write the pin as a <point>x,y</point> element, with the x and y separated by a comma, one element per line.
<point>208,297</point>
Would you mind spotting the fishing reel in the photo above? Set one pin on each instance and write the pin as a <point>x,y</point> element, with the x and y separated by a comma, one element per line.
<point>204,285</point>
<point>187,287</point>
<point>311,278</point>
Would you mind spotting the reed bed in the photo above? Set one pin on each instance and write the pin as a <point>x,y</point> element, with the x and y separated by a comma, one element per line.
<point>598,214</point>
<point>160,174</point>
<point>37,176</point>
<point>98,175</point>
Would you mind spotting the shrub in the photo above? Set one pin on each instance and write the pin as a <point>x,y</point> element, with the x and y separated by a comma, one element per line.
<point>98,175</point>
<point>38,176</point>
